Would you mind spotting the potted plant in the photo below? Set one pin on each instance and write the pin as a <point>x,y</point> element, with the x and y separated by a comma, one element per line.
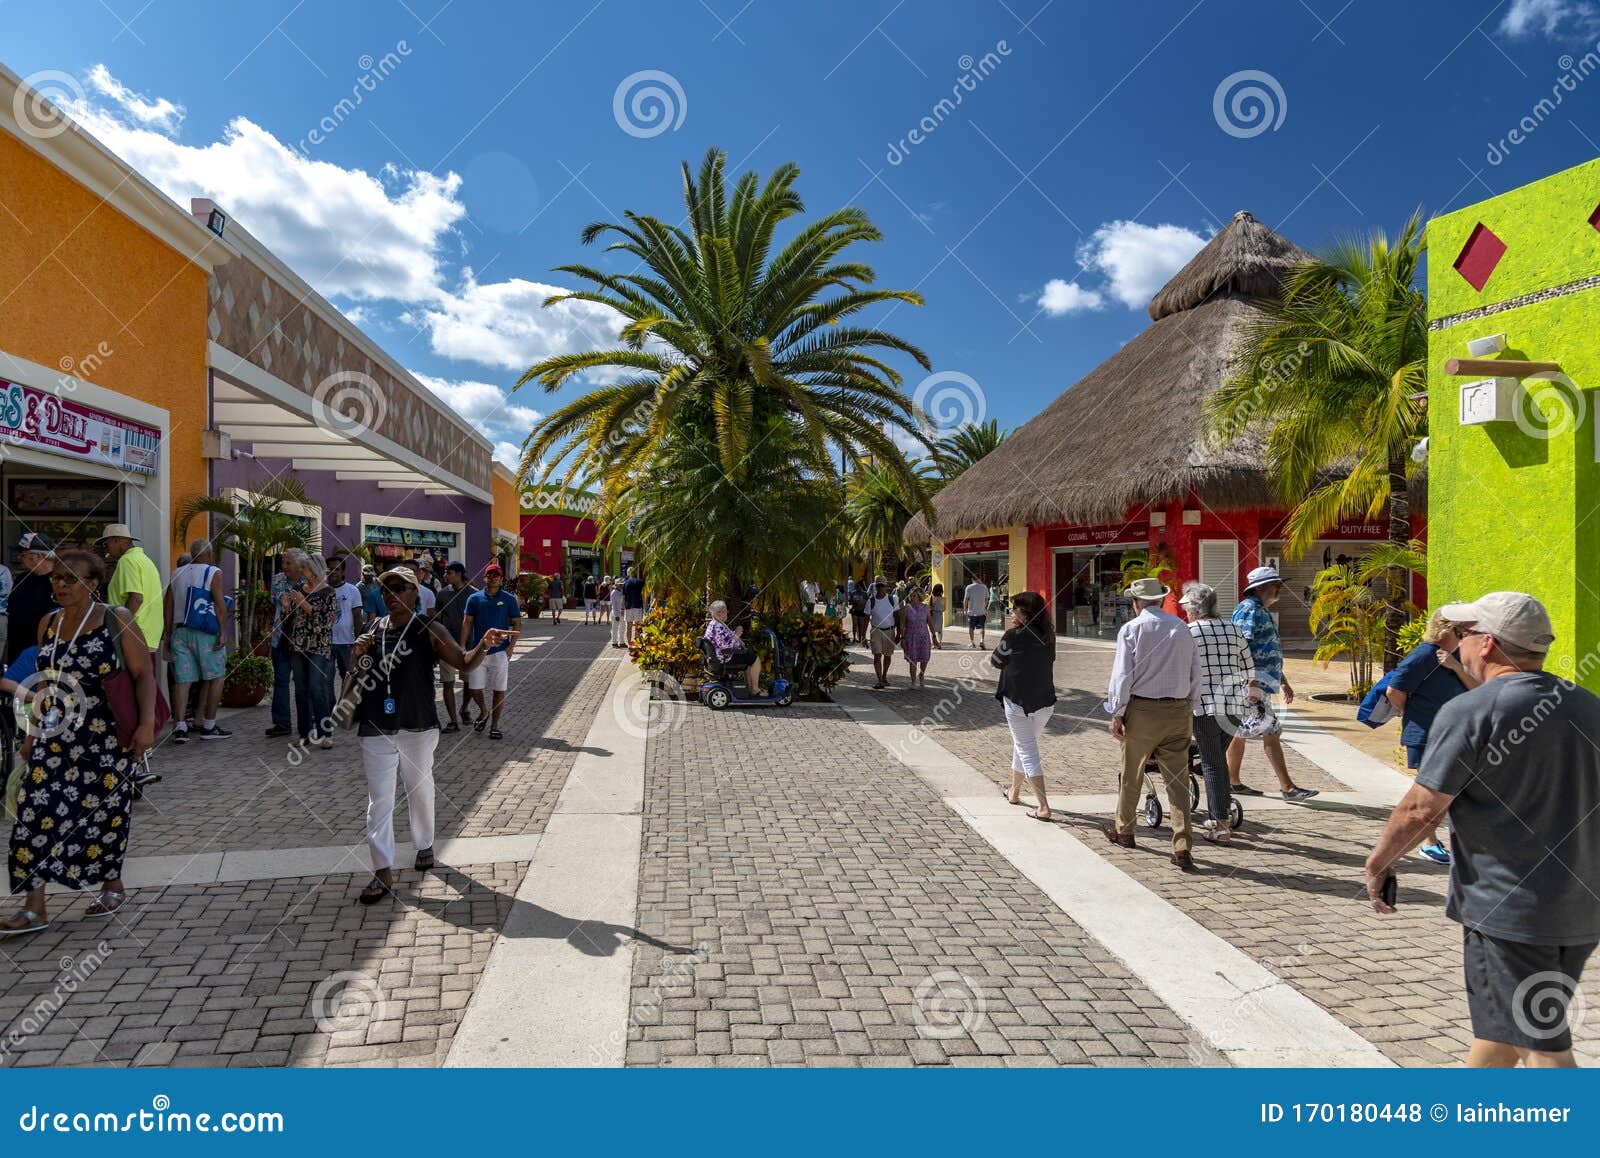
<point>531,587</point>
<point>247,681</point>
<point>668,642</point>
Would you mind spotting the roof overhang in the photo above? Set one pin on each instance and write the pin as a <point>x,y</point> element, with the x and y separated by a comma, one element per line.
<point>278,421</point>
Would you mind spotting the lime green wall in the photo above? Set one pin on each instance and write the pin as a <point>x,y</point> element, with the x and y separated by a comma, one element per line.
<point>1518,507</point>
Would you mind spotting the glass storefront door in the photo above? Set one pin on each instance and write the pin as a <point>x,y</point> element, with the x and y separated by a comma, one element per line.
<point>990,569</point>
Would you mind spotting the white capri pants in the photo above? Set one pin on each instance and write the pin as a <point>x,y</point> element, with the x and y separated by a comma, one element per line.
<point>411,755</point>
<point>1026,729</point>
<point>619,629</point>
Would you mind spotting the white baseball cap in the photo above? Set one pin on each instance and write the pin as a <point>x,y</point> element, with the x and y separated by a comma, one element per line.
<point>1518,619</point>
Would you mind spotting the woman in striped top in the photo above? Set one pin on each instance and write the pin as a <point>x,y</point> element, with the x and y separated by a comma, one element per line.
<point>1227,680</point>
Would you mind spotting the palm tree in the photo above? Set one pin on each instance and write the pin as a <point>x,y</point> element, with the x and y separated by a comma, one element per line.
<point>254,532</point>
<point>954,453</point>
<point>1332,370</point>
<point>696,527</point>
<point>877,508</point>
<point>722,342</point>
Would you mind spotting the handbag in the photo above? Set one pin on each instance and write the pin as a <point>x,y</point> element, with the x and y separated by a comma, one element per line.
<point>199,609</point>
<point>122,694</point>
<point>1259,721</point>
<point>1375,709</point>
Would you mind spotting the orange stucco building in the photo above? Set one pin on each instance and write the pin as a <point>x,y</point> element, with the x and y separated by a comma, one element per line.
<point>103,372</point>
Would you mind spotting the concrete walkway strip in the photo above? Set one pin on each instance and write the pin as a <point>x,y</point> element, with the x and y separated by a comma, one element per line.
<point>558,982</point>
<point>1345,762</point>
<point>1241,1008</point>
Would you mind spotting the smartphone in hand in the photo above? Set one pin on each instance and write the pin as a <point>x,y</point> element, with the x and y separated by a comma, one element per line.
<point>1389,890</point>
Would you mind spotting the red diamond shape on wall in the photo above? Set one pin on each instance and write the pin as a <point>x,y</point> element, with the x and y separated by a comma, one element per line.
<point>1594,218</point>
<point>1479,256</point>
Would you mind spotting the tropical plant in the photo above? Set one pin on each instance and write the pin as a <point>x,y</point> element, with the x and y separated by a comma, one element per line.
<point>877,508</point>
<point>668,639</point>
<point>505,551</point>
<point>1411,632</point>
<point>725,345</point>
<point>1347,620</point>
<point>254,531</point>
<point>813,644</point>
<point>1332,371</point>
<point>1154,564</point>
<point>695,527</point>
<point>954,453</point>
<point>246,678</point>
<point>531,587</point>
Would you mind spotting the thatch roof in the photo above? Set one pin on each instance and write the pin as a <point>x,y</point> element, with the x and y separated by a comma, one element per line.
<point>1130,430</point>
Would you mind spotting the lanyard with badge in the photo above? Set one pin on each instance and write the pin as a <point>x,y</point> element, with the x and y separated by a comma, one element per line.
<point>390,706</point>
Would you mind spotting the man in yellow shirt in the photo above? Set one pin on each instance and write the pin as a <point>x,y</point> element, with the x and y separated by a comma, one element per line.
<point>135,582</point>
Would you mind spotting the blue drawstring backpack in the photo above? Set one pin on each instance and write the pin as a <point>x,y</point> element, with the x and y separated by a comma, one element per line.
<point>1376,710</point>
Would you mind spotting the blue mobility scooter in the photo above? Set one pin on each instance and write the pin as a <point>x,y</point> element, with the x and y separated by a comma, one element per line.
<point>723,683</point>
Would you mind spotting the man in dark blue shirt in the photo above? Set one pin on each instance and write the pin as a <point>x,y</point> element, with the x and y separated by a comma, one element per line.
<point>633,602</point>
<point>493,607</point>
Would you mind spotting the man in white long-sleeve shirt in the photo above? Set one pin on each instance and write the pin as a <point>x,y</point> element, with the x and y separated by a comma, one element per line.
<point>1155,689</point>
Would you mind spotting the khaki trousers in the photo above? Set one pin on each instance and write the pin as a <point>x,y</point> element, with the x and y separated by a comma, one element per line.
<point>1156,730</point>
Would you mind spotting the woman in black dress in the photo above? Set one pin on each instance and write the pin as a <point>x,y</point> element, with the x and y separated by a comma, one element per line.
<point>1026,658</point>
<point>399,726</point>
<point>77,793</point>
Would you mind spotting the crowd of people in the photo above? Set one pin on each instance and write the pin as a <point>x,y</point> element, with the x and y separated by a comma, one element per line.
<point>100,652</point>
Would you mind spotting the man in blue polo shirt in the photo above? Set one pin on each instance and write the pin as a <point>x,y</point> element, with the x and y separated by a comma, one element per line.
<point>493,607</point>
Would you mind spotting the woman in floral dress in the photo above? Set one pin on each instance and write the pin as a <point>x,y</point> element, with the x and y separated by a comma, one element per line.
<point>917,640</point>
<point>77,793</point>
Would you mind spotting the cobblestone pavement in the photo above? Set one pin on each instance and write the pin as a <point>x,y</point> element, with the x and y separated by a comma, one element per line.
<point>248,793</point>
<point>837,913</point>
<point>239,973</point>
<point>1288,892</point>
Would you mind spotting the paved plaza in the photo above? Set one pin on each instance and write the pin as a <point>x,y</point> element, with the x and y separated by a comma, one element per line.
<point>627,882</point>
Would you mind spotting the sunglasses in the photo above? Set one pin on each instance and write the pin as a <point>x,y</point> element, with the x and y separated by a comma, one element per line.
<point>63,577</point>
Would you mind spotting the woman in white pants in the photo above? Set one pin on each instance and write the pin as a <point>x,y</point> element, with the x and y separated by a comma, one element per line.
<point>619,626</point>
<point>399,726</point>
<point>1026,658</point>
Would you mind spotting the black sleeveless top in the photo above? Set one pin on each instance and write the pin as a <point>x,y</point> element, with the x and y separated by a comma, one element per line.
<point>406,678</point>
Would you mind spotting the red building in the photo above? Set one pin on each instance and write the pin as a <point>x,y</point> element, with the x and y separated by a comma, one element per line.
<point>559,534</point>
<point>1117,471</point>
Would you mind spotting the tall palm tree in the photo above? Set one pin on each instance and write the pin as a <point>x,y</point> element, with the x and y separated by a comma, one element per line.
<point>954,453</point>
<point>1330,371</point>
<point>717,334</point>
<point>877,508</point>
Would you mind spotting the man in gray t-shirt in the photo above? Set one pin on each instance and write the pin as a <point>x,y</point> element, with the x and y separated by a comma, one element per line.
<point>1514,763</point>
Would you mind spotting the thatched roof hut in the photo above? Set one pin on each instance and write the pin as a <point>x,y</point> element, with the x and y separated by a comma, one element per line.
<point>1130,431</point>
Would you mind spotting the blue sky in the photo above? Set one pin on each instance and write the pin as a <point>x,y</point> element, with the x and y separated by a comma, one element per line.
<point>1094,147</point>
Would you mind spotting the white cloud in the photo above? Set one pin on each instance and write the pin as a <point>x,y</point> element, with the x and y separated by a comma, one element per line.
<point>345,231</point>
<point>1551,18</point>
<point>159,114</point>
<point>1137,260</point>
<point>487,409</point>
<point>504,324</point>
<point>508,454</point>
<point>1064,297</point>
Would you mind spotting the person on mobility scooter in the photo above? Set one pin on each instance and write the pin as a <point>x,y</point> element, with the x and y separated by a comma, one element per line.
<point>727,655</point>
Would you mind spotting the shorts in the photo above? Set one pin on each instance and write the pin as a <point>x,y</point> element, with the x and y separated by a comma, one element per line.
<point>195,658</point>
<point>976,622</point>
<point>447,674</point>
<point>882,641</point>
<point>558,602</point>
<point>744,657</point>
<point>1518,994</point>
<point>633,615</point>
<point>588,605</point>
<point>493,674</point>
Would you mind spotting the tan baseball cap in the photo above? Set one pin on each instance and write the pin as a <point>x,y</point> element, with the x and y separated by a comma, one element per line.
<point>1519,619</point>
<point>404,574</point>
